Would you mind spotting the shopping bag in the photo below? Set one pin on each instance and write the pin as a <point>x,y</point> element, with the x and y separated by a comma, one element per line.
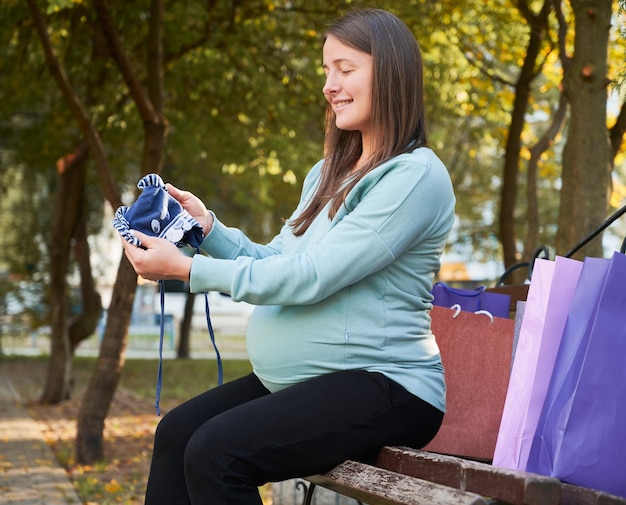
<point>476,354</point>
<point>584,421</point>
<point>519,317</point>
<point>471,300</point>
<point>549,297</point>
<point>569,358</point>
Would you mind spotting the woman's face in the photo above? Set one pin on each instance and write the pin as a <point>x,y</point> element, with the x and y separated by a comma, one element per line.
<point>348,85</point>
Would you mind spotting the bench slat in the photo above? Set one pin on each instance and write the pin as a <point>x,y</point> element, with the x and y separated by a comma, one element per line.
<point>577,495</point>
<point>500,484</point>
<point>377,486</point>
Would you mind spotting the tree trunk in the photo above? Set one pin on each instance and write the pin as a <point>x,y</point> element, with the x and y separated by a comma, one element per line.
<point>508,202</point>
<point>531,243</point>
<point>587,154</point>
<point>104,381</point>
<point>99,394</point>
<point>66,214</point>
<point>84,324</point>
<point>184,339</point>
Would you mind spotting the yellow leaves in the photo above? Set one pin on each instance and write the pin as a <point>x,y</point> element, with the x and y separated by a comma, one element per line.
<point>265,164</point>
<point>273,164</point>
<point>618,194</point>
<point>462,96</point>
<point>289,177</point>
<point>58,5</point>
<point>287,133</point>
<point>113,486</point>
<point>243,118</point>
<point>4,465</point>
<point>233,169</point>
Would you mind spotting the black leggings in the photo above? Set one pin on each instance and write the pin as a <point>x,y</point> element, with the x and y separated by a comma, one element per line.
<point>218,447</point>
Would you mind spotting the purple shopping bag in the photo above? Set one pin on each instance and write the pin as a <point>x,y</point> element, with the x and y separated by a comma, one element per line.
<point>549,296</point>
<point>587,425</point>
<point>472,300</point>
<point>569,359</point>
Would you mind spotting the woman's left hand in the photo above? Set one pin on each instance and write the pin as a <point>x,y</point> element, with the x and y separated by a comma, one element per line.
<point>160,260</point>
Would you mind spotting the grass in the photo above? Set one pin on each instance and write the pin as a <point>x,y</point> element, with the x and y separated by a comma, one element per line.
<point>182,378</point>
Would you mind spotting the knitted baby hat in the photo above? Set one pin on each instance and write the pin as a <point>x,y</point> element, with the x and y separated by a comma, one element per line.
<point>158,214</point>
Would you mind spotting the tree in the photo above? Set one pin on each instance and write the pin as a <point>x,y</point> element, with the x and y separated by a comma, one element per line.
<point>69,225</point>
<point>587,156</point>
<point>184,333</point>
<point>58,371</point>
<point>104,381</point>
<point>531,67</point>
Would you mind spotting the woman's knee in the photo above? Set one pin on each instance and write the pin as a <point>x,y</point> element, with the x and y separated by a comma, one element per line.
<point>172,429</point>
<point>206,454</point>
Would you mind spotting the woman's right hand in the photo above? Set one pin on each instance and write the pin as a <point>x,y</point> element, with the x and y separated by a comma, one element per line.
<point>192,204</point>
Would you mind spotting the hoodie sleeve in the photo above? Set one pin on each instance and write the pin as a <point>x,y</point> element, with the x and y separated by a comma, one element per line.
<point>406,203</point>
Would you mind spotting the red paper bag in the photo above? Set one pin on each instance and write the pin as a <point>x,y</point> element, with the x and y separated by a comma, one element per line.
<point>476,351</point>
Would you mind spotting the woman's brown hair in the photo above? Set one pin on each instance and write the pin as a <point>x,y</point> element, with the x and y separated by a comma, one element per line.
<point>397,107</point>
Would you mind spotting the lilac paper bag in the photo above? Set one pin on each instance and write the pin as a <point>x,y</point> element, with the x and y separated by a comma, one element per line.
<point>592,445</point>
<point>559,397</point>
<point>549,296</point>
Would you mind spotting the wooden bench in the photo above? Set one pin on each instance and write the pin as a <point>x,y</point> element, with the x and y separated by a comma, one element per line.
<point>404,476</point>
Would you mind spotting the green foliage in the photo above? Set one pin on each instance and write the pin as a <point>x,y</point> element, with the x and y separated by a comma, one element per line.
<point>245,110</point>
<point>248,121</point>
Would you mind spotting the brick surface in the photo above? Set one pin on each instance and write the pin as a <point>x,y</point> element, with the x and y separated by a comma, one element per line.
<point>29,472</point>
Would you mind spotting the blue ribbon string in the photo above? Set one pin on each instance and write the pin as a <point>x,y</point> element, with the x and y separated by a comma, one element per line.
<point>159,384</point>
<point>220,372</point>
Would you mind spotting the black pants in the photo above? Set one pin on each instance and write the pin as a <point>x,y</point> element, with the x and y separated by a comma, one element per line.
<point>219,447</point>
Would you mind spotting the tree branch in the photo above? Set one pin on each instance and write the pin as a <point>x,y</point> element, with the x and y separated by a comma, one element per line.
<point>77,108</point>
<point>143,103</point>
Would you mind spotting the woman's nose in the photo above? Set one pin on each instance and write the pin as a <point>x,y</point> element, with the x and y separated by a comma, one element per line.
<point>330,86</point>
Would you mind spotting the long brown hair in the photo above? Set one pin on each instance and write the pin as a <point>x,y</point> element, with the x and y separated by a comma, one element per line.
<point>397,107</point>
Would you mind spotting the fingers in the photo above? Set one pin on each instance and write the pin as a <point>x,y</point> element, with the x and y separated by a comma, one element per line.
<point>173,190</point>
<point>157,258</point>
<point>146,240</point>
<point>185,198</point>
<point>138,255</point>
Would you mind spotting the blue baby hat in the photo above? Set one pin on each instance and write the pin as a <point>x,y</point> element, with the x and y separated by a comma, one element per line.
<point>158,214</point>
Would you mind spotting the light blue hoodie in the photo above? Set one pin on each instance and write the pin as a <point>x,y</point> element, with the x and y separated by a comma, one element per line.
<point>350,293</point>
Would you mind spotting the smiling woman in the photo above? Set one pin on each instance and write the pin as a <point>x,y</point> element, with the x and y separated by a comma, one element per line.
<point>348,90</point>
<point>344,360</point>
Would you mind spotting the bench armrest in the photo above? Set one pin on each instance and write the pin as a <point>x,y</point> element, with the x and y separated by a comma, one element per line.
<point>377,486</point>
<point>508,486</point>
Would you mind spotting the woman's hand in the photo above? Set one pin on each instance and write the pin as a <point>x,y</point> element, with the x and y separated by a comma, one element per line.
<point>160,260</point>
<point>192,204</point>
